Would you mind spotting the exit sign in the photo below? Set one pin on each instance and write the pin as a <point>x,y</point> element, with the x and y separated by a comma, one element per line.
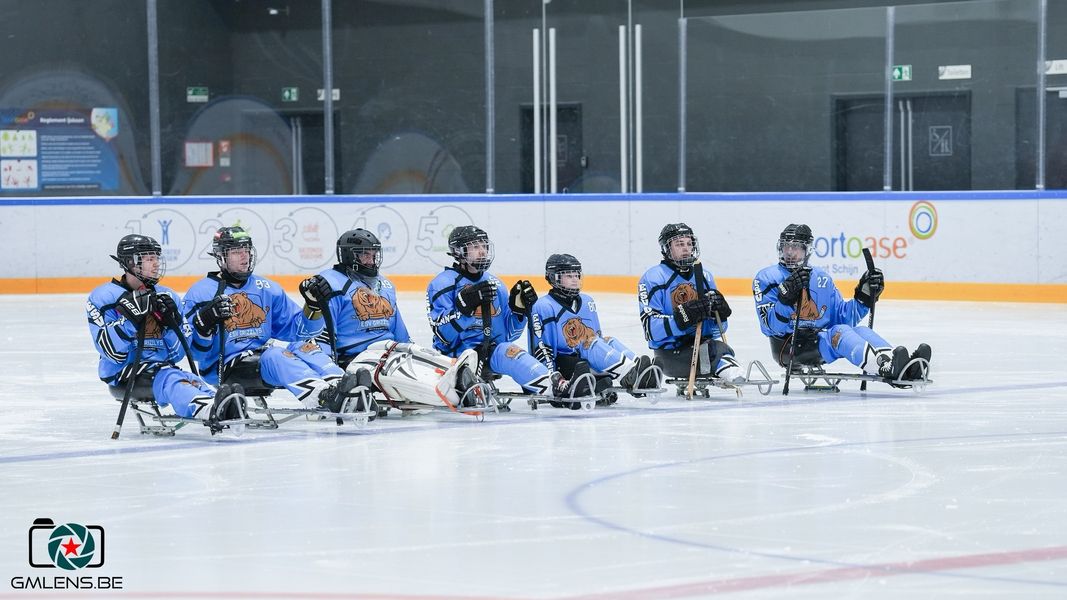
<point>901,72</point>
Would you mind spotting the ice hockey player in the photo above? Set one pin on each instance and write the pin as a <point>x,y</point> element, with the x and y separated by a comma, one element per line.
<point>674,298</point>
<point>252,311</point>
<point>828,324</point>
<point>366,329</point>
<point>134,303</point>
<point>565,328</point>
<point>456,299</point>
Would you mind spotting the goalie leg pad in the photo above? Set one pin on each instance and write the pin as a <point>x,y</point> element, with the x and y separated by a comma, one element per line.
<point>413,374</point>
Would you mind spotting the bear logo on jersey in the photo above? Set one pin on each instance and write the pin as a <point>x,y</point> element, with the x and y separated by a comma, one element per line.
<point>835,339</point>
<point>575,332</point>
<point>369,305</point>
<point>309,346</point>
<point>809,311</point>
<point>152,328</point>
<point>512,351</point>
<point>245,313</point>
<point>682,294</point>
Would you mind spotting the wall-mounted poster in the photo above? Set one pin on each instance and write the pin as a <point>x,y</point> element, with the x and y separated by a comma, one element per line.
<point>58,150</point>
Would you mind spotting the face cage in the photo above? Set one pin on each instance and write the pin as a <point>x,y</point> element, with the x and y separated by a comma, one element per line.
<point>133,267</point>
<point>556,280</point>
<point>685,262</point>
<point>480,265</point>
<point>220,260</point>
<point>792,264</point>
<point>362,269</point>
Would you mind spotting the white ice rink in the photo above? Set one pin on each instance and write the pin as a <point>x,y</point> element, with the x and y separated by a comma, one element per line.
<point>957,493</point>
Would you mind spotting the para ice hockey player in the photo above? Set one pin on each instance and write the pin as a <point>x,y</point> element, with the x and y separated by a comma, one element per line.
<point>828,328</point>
<point>674,298</point>
<point>252,311</point>
<point>134,303</point>
<point>565,328</point>
<point>368,333</point>
<point>456,299</point>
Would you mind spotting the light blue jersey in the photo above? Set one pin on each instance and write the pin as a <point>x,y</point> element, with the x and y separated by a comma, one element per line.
<point>662,288</point>
<point>364,311</point>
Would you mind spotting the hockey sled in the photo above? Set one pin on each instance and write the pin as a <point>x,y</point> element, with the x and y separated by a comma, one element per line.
<point>763,382</point>
<point>817,379</point>
<point>153,422</point>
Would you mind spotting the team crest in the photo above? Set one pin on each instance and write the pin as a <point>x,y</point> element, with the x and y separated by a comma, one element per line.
<point>309,347</point>
<point>835,339</point>
<point>246,314</point>
<point>575,332</point>
<point>512,351</point>
<point>809,311</point>
<point>682,294</point>
<point>369,305</point>
<point>152,328</point>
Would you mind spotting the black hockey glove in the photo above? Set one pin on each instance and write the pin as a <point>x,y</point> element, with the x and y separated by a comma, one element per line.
<point>165,310</point>
<point>790,289</point>
<point>471,297</point>
<point>717,304</point>
<point>870,288</point>
<point>135,306</point>
<point>522,297</point>
<point>210,315</point>
<point>316,291</point>
<point>693,312</point>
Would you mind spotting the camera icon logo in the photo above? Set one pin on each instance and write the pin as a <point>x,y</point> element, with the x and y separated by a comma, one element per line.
<point>70,546</point>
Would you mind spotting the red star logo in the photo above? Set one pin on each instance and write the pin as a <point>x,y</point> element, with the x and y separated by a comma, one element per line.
<point>70,548</point>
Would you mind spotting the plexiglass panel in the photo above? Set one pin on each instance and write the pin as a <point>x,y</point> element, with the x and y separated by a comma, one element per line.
<point>786,101</point>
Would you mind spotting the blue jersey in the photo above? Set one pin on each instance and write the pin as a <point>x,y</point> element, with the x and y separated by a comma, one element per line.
<point>115,337</point>
<point>455,332</point>
<point>661,289</point>
<point>363,311</point>
<point>822,307</point>
<point>559,328</point>
<point>261,312</point>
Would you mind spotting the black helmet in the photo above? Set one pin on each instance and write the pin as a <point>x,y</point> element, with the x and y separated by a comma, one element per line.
<point>231,238</point>
<point>794,234</point>
<point>355,242</point>
<point>671,232</point>
<point>459,240</point>
<point>556,266</point>
<point>132,249</point>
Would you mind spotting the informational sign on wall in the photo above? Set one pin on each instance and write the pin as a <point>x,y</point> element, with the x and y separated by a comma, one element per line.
<point>58,150</point>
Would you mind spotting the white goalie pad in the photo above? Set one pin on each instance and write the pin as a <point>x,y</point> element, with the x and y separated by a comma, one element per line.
<point>409,373</point>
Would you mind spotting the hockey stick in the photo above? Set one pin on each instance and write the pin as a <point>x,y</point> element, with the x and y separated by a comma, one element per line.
<point>331,332</point>
<point>793,339</point>
<point>487,338</point>
<point>698,279</point>
<point>870,320</point>
<point>133,376</point>
<point>222,350</point>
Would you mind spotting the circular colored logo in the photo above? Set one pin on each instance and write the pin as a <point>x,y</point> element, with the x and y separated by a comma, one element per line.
<point>923,220</point>
<point>71,546</point>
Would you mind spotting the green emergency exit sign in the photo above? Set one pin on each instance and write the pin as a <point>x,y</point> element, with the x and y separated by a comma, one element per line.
<point>290,94</point>
<point>901,72</point>
<point>196,94</point>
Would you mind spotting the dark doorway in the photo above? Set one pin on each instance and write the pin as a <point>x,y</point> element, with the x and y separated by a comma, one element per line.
<point>308,129</point>
<point>1055,139</point>
<point>931,142</point>
<point>568,146</point>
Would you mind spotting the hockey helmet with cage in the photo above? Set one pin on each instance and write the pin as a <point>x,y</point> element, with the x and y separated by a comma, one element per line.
<point>459,243</point>
<point>795,235</point>
<point>227,239</point>
<point>132,249</point>
<point>671,232</point>
<point>556,266</point>
<point>352,244</point>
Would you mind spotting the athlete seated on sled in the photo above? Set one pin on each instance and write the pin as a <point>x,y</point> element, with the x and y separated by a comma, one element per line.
<point>366,332</point>
<point>828,328</point>
<point>675,297</point>
<point>457,298</point>
<point>247,311</point>
<point>136,329</point>
<point>564,330</point>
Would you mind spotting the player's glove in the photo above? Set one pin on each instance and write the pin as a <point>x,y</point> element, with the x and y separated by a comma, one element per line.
<point>165,310</point>
<point>135,305</point>
<point>870,287</point>
<point>316,291</point>
<point>471,297</point>
<point>790,289</point>
<point>717,304</point>
<point>522,297</point>
<point>212,314</point>
<point>692,313</point>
